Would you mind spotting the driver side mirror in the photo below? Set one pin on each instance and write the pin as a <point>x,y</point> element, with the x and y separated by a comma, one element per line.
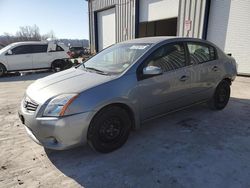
<point>152,71</point>
<point>9,52</point>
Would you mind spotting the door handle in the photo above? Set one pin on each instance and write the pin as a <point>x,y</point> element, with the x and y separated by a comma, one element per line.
<point>183,78</point>
<point>215,68</point>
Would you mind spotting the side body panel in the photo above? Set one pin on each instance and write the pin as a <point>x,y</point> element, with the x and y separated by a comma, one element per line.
<point>42,60</point>
<point>19,62</point>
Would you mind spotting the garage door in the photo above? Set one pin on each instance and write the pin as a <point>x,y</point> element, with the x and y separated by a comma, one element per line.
<point>238,33</point>
<point>229,28</point>
<point>106,28</point>
<point>158,17</point>
<point>152,10</point>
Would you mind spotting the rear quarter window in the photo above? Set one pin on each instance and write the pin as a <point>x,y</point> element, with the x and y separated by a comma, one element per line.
<point>201,53</point>
<point>59,48</point>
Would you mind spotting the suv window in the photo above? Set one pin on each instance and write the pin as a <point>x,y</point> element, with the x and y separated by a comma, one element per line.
<point>24,49</point>
<point>59,48</point>
<point>200,53</point>
<point>168,57</point>
<point>40,48</point>
<point>76,48</point>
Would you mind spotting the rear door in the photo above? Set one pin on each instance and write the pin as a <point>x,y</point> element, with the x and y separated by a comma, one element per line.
<point>21,58</point>
<point>162,93</point>
<point>205,69</point>
<point>41,58</point>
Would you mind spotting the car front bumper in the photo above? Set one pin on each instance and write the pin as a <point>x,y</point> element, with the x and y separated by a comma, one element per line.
<point>57,133</point>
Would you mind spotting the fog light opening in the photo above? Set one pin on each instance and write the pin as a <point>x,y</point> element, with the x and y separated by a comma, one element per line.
<point>52,140</point>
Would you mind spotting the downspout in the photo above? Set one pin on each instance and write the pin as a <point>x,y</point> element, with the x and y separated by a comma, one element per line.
<point>90,38</point>
<point>137,16</point>
<point>206,19</point>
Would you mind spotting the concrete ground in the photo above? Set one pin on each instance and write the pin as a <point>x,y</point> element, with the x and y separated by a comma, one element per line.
<point>196,147</point>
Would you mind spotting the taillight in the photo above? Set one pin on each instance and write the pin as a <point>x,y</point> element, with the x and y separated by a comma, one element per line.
<point>69,53</point>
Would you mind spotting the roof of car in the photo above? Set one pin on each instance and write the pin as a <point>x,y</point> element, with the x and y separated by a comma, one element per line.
<point>30,42</point>
<point>155,40</point>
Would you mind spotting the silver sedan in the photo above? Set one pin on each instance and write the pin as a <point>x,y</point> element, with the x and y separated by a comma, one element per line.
<point>103,99</point>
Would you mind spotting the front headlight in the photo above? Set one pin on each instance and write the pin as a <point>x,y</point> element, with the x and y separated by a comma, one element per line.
<point>57,106</point>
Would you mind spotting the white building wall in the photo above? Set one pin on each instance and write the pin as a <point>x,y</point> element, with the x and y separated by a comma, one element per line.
<point>238,34</point>
<point>151,10</point>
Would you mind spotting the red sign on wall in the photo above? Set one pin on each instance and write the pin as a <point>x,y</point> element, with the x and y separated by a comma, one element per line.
<point>188,24</point>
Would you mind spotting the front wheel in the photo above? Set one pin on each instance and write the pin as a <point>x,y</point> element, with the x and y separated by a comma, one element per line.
<point>109,129</point>
<point>221,96</point>
<point>2,70</point>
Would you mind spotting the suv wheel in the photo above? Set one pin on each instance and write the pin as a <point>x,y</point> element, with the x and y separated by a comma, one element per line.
<point>109,129</point>
<point>57,65</point>
<point>2,70</point>
<point>221,96</point>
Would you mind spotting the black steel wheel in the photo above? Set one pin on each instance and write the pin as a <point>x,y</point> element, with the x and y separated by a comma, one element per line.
<point>221,96</point>
<point>109,129</point>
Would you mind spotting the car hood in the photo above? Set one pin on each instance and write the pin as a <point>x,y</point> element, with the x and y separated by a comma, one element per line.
<point>70,81</point>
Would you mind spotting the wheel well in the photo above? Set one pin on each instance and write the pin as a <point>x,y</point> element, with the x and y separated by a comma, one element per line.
<point>125,107</point>
<point>228,80</point>
<point>56,60</point>
<point>3,66</point>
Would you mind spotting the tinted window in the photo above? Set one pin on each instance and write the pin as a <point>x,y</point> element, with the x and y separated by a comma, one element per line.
<point>59,48</point>
<point>25,49</point>
<point>40,48</point>
<point>76,48</point>
<point>201,53</point>
<point>168,57</point>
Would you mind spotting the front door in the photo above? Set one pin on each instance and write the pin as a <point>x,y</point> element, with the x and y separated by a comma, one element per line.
<point>21,58</point>
<point>170,90</point>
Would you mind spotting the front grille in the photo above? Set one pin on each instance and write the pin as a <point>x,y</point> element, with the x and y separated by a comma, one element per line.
<point>29,105</point>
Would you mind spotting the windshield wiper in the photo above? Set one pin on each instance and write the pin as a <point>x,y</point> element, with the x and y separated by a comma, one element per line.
<point>96,70</point>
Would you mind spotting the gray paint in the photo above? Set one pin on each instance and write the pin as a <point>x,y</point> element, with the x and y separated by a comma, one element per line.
<point>146,98</point>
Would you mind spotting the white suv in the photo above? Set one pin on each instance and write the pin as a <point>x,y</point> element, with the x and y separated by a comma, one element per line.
<point>33,55</point>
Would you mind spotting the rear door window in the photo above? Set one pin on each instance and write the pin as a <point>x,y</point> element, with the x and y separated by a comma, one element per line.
<point>201,53</point>
<point>40,48</point>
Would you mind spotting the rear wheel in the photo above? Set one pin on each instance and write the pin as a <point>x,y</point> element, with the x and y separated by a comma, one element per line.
<point>57,65</point>
<point>221,96</point>
<point>109,129</point>
<point>2,70</point>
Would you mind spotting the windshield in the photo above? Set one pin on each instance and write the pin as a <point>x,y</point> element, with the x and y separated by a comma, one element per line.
<point>5,48</point>
<point>115,59</point>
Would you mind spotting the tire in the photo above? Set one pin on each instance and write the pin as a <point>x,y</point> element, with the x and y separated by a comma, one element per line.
<point>57,65</point>
<point>2,70</point>
<point>109,129</point>
<point>221,96</point>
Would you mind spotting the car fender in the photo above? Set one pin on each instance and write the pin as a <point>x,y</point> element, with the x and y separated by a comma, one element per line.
<point>3,60</point>
<point>122,90</point>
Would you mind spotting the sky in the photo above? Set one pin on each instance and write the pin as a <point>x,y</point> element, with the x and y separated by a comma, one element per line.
<point>67,18</point>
